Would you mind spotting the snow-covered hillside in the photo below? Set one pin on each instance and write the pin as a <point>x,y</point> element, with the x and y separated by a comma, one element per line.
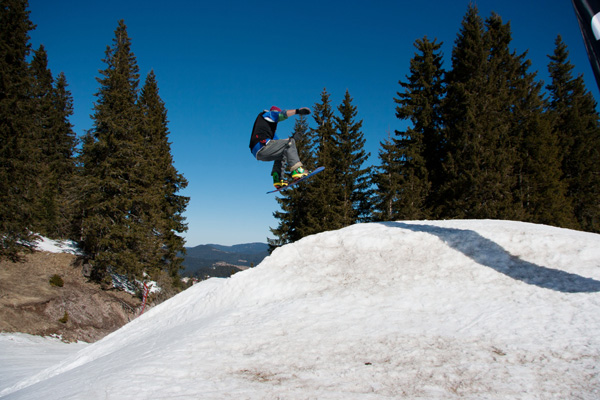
<point>416,310</point>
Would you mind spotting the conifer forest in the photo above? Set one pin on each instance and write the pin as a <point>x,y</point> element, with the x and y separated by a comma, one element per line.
<point>485,140</point>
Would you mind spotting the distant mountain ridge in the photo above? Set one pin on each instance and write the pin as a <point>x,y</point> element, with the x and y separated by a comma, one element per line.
<point>247,248</point>
<point>214,260</point>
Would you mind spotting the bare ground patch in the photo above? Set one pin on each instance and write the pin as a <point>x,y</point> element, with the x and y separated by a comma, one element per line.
<point>79,310</point>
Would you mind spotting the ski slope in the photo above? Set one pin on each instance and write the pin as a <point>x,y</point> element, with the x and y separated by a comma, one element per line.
<point>418,310</point>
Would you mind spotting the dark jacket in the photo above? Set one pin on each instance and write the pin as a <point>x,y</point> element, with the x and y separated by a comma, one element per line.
<point>264,129</point>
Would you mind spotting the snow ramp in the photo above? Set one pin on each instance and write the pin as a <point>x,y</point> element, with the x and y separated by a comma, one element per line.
<point>414,309</point>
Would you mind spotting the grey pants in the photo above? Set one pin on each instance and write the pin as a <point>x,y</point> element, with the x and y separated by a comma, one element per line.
<point>282,152</point>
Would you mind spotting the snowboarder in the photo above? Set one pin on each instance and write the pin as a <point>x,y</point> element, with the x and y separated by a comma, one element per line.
<point>266,146</point>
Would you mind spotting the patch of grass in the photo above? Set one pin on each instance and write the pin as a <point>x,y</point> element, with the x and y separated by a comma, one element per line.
<point>56,280</point>
<point>64,319</point>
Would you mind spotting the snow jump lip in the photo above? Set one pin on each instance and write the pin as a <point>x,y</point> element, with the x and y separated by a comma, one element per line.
<point>496,257</point>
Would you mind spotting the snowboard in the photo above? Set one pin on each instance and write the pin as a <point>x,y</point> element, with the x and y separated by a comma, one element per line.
<point>316,171</point>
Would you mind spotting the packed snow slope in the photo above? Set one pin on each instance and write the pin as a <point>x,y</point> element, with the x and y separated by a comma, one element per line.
<point>416,310</point>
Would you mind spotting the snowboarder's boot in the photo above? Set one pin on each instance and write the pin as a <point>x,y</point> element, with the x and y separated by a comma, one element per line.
<point>278,182</point>
<point>299,173</point>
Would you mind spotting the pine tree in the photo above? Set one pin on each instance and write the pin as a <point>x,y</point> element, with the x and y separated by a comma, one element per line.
<point>353,176</point>
<point>541,190</point>
<point>463,91</point>
<point>164,207</point>
<point>54,152</point>
<point>573,112</point>
<point>17,172</point>
<point>480,150</point>
<point>540,193</point>
<point>386,180</point>
<point>324,193</point>
<point>112,156</point>
<point>420,146</point>
<point>43,199</point>
<point>508,82</point>
<point>64,162</point>
<point>294,202</point>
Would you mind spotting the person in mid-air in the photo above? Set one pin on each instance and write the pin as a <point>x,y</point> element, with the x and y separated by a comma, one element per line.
<point>265,145</point>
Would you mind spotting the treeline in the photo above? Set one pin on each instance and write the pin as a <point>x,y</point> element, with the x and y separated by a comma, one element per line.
<point>485,141</point>
<point>115,190</point>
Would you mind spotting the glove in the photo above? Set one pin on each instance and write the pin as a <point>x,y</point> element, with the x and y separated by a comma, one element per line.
<point>302,111</point>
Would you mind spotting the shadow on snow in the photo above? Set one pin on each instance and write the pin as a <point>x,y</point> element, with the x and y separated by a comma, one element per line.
<point>490,254</point>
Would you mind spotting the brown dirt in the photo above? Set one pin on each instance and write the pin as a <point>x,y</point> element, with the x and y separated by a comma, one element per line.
<point>30,304</point>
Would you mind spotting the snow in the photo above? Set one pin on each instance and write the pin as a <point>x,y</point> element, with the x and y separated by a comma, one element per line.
<point>57,246</point>
<point>418,310</point>
<point>23,355</point>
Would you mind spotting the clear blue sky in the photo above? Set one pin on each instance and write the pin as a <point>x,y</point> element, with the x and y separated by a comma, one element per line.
<point>219,63</point>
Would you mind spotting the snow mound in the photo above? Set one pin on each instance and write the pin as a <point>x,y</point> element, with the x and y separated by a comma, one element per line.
<point>418,309</point>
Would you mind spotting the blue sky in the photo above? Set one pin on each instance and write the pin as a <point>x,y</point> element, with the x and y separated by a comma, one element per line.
<point>219,63</point>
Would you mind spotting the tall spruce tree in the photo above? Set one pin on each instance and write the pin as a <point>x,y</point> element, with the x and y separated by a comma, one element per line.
<point>386,180</point>
<point>43,199</point>
<point>540,193</point>
<point>112,229</point>
<point>352,175</point>
<point>163,208</point>
<point>463,92</point>
<point>481,150</point>
<point>64,161</point>
<point>294,202</point>
<point>572,109</point>
<point>509,82</point>
<point>17,143</point>
<point>54,154</point>
<point>420,146</point>
<point>324,192</point>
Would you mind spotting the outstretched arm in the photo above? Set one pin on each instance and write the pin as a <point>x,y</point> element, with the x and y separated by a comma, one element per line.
<point>299,111</point>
